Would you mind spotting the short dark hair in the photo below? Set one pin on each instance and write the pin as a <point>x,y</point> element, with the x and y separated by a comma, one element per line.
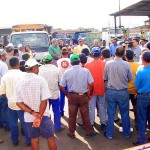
<point>25,56</point>
<point>148,45</point>
<point>83,58</point>
<point>65,53</point>
<point>96,54</point>
<point>120,51</point>
<point>106,53</point>
<point>146,56</point>
<point>16,51</point>
<point>85,51</point>
<point>77,62</point>
<point>13,61</point>
<point>129,54</point>
<point>136,39</point>
<point>22,66</point>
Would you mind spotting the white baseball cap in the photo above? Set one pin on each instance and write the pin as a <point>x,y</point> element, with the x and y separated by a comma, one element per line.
<point>20,45</point>
<point>31,63</point>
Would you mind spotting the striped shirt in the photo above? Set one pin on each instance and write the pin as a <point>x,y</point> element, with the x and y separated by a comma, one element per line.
<point>117,73</point>
<point>32,90</point>
<point>77,79</point>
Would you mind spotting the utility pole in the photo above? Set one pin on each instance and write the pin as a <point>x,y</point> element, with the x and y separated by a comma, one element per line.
<point>119,16</point>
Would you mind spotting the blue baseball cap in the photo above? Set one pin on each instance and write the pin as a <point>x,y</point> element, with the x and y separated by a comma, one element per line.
<point>96,50</point>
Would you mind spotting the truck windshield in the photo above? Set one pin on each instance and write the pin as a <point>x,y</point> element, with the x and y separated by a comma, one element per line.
<point>32,39</point>
<point>59,36</point>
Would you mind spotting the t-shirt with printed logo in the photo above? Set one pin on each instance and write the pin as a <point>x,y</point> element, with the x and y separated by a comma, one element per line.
<point>64,64</point>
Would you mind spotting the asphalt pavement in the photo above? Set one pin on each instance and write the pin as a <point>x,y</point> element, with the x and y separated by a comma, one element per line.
<point>99,142</point>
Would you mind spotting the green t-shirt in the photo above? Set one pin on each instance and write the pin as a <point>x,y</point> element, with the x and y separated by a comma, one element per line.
<point>54,50</point>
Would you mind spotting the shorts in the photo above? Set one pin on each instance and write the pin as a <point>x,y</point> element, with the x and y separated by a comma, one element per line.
<point>133,99</point>
<point>45,129</point>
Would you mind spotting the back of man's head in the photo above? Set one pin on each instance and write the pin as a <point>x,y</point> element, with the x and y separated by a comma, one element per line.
<point>96,52</point>
<point>85,51</point>
<point>83,58</point>
<point>146,56</point>
<point>14,62</point>
<point>106,53</point>
<point>25,56</point>
<point>129,54</point>
<point>119,51</point>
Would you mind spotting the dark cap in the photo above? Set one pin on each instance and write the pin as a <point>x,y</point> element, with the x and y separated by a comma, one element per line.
<point>95,50</point>
<point>9,48</point>
<point>146,56</point>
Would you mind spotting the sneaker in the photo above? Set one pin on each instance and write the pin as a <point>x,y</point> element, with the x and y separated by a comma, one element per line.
<point>137,143</point>
<point>91,134</point>
<point>121,129</point>
<point>60,129</point>
<point>103,126</point>
<point>72,136</point>
<point>79,124</point>
<point>16,144</point>
<point>109,138</point>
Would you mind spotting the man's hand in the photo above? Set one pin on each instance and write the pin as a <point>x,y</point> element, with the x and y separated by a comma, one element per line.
<point>35,114</point>
<point>36,123</point>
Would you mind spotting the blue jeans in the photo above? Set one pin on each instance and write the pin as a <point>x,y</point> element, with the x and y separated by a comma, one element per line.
<point>4,121</point>
<point>143,107</point>
<point>118,98</point>
<point>100,100</point>
<point>62,102</point>
<point>55,107</point>
<point>14,115</point>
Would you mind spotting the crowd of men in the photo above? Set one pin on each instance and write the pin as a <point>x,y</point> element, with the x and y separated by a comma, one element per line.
<point>102,78</point>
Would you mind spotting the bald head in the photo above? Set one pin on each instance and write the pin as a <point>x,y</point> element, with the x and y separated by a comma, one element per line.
<point>119,51</point>
<point>95,42</point>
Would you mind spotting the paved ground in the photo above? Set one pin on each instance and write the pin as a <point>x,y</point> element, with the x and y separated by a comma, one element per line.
<point>80,143</point>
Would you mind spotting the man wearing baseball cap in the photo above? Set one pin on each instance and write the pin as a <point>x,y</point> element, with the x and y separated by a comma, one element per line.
<point>78,79</point>
<point>32,94</point>
<point>53,76</point>
<point>21,51</point>
<point>96,67</point>
<point>10,53</point>
<point>142,84</point>
<point>63,64</point>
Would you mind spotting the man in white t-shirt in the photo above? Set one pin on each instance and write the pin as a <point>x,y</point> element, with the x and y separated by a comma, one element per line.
<point>63,64</point>
<point>8,83</point>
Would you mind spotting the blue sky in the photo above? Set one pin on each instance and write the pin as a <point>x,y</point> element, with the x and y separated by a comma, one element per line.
<point>65,13</point>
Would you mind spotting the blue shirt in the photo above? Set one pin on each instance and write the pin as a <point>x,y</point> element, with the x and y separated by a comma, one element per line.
<point>113,49</point>
<point>77,79</point>
<point>142,81</point>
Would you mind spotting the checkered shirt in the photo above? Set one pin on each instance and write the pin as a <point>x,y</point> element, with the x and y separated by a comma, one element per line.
<point>32,90</point>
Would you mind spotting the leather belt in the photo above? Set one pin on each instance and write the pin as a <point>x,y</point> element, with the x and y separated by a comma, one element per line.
<point>78,93</point>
